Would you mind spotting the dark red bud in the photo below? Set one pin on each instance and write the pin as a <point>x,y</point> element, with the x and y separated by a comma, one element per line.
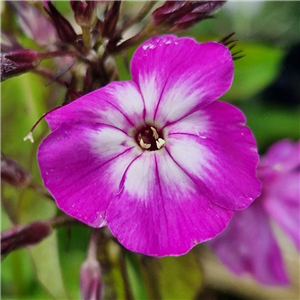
<point>179,15</point>
<point>13,173</point>
<point>84,12</point>
<point>63,27</point>
<point>17,62</point>
<point>23,235</point>
<point>111,20</point>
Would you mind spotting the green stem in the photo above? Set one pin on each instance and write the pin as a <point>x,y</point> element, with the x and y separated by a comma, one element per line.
<point>45,55</point>
<point>149,269</point>
<point>146,33</point>
<point>86,36</point>
<point>139,17</point>
<point>48,74</point>
<point>40,190</point>
<point>110,292</point>
<point>125,277</point>
<point>60,221</point>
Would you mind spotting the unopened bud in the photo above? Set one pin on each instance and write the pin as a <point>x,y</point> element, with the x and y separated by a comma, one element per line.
<point>17,62</point>
<point>84,12</point>
<point>180,15</point>
<point>91,284</point>
<point>23,236</point>
<point>111,20</point>
<point>13,173</point>
<point>63,27</point>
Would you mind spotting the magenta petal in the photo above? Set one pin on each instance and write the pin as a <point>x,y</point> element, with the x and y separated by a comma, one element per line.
<point>283,156</point>
<point>178,75</point>
<point>82,167</point>
<point>279,171</point>
<point>160,211</point>
<point>118,104</point>
<point>218,152</point>
<point>248,245</point>
<point>281,199</point>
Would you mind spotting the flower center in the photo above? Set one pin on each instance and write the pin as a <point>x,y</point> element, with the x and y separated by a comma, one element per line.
<point>149,139</point>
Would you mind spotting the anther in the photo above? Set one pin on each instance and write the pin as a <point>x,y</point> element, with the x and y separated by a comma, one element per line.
<point>144,145</point>
<point>155,134</point>
<point>159,143</point>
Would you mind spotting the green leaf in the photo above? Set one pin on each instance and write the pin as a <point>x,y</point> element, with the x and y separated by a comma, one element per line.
<point>271,123</point>
<point>47,267</point>
<point>180,277</point>
<point>23,102</point>
<point>253,72</point>
<point>135,276</point>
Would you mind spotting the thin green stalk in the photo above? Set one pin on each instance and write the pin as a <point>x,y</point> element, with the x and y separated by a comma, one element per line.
<point>139,17</point>
<point>149,269</point>
<point>124,273</point>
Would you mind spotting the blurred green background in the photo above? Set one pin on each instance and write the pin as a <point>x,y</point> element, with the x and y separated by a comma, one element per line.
<point>266,87</point>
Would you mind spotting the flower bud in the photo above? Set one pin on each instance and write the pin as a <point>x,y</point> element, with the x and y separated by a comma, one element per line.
<point>64,29</point>
<point>33,23</point>
<point>17,62</point>
<point>24,235</point>
<point>84,12</point>
<point>13,173</point>
<point>91,284</point>
<point>111,20</point>
<point>180,15</point>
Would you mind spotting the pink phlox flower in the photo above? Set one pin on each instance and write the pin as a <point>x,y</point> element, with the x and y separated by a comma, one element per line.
<point>33,23</point>
<point>248,245</point>
<point>157,158</point>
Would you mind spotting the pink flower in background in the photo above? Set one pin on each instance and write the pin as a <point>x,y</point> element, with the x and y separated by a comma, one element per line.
<point>33,23</point>
<point>248,245</point>
<point>157,159</point>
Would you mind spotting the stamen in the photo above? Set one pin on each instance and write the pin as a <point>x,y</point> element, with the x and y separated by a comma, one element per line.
<point>29,136</point>
<point>144,145</point>
<point>159,143</point>
<point>155,134</point>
